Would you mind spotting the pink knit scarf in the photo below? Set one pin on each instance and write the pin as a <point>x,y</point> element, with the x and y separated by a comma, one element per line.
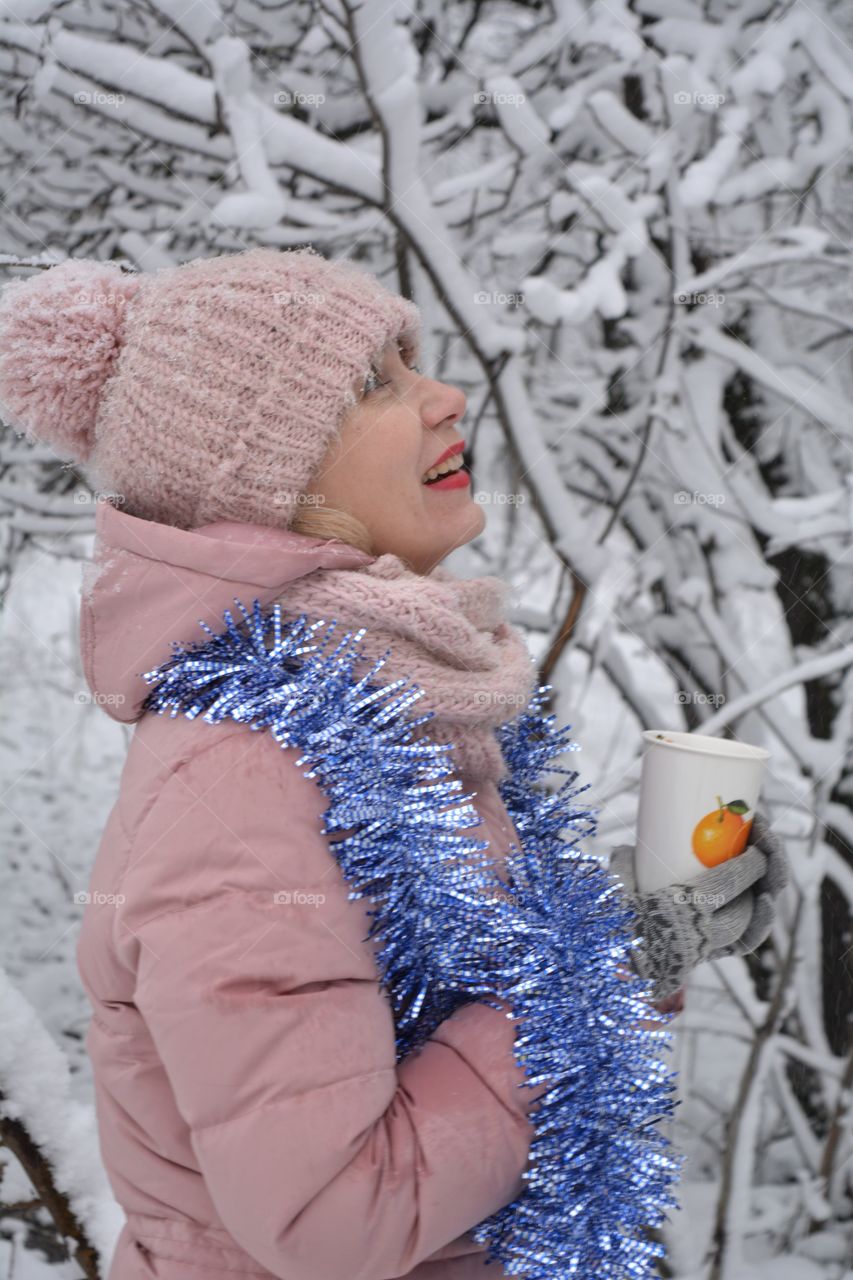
<point>447,634</point>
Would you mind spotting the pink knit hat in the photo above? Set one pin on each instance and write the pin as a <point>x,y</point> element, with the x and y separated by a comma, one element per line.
<point>208,391</point>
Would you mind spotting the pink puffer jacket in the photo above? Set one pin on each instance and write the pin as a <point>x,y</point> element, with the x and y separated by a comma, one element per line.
<point>251,1116</point>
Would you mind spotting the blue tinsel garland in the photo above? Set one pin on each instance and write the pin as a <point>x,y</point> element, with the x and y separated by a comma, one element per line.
<point>550,941</point>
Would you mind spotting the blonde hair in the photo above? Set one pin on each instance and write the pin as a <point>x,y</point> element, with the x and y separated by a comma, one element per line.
<point>328,522</point>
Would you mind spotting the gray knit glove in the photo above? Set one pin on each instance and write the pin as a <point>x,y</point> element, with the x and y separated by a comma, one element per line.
<point>725,910</point>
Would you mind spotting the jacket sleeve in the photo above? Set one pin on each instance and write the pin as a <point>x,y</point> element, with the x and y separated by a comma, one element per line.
<point>323,1159</point>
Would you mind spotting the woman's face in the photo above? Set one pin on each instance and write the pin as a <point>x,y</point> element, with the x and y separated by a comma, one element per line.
<point>375,470</point>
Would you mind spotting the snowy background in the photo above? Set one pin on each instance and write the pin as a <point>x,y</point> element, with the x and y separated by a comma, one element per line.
<point>628,226</point>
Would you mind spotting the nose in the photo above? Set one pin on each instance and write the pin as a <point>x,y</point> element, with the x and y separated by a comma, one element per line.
<point>441,404</point>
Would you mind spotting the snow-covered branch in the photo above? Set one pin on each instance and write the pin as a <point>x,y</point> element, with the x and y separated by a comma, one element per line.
<point>54,1136</point>
<point>628,228</point>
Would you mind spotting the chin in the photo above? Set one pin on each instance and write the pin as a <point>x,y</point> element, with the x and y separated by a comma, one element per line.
<point>426,544</point>
<point>469,526</point>
<point>471,522</point>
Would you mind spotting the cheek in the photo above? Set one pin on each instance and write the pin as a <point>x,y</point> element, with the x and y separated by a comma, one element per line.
<point>395,451</point>
<point>355,462</point>
<point>381,455</point>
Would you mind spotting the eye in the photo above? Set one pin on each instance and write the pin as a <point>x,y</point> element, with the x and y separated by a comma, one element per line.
<point>373,381</point>
<point>415,368</point>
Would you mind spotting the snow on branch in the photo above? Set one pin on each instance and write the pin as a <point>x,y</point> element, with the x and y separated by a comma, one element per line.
<point>54,1136</point>
<point>628,229</point>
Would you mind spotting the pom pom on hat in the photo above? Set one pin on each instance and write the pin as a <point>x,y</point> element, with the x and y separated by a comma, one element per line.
<point>60,333</point>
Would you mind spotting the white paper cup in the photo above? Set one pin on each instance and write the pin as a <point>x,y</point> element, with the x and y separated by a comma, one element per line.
<point>697,801</point>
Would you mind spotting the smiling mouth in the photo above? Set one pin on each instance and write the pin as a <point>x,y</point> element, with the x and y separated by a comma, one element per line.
<point>453,470</point>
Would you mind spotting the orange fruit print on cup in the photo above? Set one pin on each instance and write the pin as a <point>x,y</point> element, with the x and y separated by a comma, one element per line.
<point>722,833</point>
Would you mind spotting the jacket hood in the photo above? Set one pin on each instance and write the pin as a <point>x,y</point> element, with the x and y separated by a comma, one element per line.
<point>150,584</point>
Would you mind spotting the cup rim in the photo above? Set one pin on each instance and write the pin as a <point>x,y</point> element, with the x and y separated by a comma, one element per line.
<point>721,748</point>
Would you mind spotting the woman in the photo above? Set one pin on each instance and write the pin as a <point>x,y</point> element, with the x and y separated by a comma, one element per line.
<point>265,436</point>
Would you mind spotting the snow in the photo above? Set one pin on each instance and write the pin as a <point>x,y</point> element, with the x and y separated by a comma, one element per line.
<point>700,181</point>
<point>825,44</point>
<point>60,764</point>
<point>37,1092</point>
<point>774,249</point>
<point>798,1268</point>
<point>522,125</point>
<point>264,204</point>
<point>825,1246</point>
<point>461,183</point>
<point>572,101</point>
<point>635,260</point>
<point>831,131</point>
<point>198,19</point>
<point>790,381</point>
<point>23,10</point>
<point>248,209</point>
<point>615,27</point>
<point>760,73</point>
<point>622,126</point>
<point>600,291</point>
<point>128,71</point>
